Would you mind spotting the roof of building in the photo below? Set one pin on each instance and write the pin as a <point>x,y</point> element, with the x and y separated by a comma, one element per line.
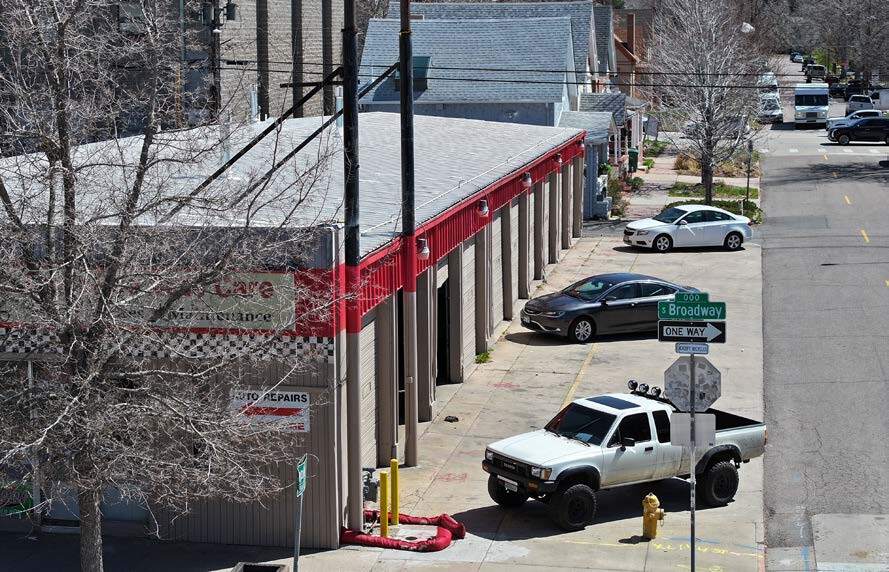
<point>604,32</point>
<point>598,124</point>
<point>455,159</point>
<point>614,103</point>
<point>581,14</point>
<point>458,48</point>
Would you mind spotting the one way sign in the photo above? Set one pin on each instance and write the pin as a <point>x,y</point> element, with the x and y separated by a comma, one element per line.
<point>709,332</point>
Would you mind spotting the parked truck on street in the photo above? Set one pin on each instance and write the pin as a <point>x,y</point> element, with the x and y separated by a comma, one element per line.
<point>613,440</point>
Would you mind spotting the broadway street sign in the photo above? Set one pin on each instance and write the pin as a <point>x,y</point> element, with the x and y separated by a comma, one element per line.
<point>708,332</point>
<point>669,310</point>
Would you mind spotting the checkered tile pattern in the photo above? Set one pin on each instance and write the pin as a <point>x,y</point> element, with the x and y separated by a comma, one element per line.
<point>192,345</point>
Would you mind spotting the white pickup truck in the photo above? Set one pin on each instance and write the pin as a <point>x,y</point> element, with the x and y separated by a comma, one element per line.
<point>612,440</point>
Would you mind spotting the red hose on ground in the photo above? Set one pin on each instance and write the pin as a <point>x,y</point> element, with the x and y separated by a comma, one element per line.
<point>448,528</point>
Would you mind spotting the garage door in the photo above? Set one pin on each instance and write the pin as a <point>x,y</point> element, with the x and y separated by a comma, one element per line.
<point>468,301</point>
<point>496,269</point>
<point>514,249</point>
<point>368,394</point>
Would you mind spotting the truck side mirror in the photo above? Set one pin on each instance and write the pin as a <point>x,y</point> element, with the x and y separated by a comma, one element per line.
<point>627,442</point>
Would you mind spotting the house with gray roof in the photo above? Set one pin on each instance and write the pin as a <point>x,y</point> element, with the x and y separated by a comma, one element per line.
<point>601,132</point>
<point>606,64</point>
<point>495,70</point>
<point>584,31</point>
<point>627,112</point>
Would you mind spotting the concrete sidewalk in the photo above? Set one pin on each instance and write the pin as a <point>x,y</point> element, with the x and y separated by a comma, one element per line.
<point>526,383</point>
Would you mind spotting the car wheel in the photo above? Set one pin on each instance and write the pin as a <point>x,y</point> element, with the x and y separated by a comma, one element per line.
<point>843,139</point>
<point>582,330</point>
<point>719,483</point>
<point>733,241</point>
<point>573,508</point>
<point>662,243</point>
<point>503,497</point>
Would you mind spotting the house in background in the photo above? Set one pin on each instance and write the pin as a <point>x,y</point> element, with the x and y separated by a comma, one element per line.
<point>453,60</point>
<point>627,112</point>
<point>600,131</point>
<point>606,58</point>
<point>589,49</point>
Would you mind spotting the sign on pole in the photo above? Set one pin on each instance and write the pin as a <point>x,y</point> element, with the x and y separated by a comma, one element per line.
<point>708,332</point>
<point>705,430</point>
<point>678,383</point>
<point>692,348</point>
<point>298,513</point>
<point>672,310</point>
<point>290,408</point>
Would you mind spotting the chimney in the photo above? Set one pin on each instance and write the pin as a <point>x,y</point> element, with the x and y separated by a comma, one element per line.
<point>630,38</point>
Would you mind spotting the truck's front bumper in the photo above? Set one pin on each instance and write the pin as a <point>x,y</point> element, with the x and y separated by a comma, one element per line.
<point>530,485</point>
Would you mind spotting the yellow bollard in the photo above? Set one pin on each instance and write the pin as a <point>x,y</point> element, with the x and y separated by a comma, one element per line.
<point>384,505</point>
<point>651,514</point>
<point>393,468</point>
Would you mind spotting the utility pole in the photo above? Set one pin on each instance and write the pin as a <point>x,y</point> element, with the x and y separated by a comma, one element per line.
<point>355,502</point>
<point>296,52</point>
<point>409,238</point>
<point>215,63</point>
<point>749,168</point>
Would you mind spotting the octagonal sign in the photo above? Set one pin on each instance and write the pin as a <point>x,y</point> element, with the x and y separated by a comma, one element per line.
<point>677,383</point>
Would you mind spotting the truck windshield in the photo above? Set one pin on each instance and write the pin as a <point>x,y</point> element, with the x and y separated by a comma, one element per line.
<point>581,423</point>
<point>811,99</point>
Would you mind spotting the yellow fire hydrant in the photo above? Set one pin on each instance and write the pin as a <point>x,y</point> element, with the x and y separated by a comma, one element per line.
<point>651,514</point>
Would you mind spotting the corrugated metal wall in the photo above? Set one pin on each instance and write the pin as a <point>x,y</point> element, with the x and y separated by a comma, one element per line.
<point>368,391</point>
<point>544,225</point>
<point>468,296</point>
<point>496,269</point>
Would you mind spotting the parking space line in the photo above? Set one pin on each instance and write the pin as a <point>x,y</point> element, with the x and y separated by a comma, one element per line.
<point>847,150</point>
<point>848,202</point>
<point>569,397</point>
<point>864,236</point>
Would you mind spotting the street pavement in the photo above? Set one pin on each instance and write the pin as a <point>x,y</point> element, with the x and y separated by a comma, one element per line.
<point>825,324</point>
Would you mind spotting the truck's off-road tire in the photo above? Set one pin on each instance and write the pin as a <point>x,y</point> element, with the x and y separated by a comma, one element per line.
<point>719,483</point>
<point>503,497</point>
<point>573,508</point>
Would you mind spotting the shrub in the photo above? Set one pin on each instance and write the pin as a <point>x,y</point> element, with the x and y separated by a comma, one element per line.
<point>484,357</point>
<point>636,183</point>
<point>751,210</point>
<point>720,190</point>
<point>605,169</point>
<point>618,204</point>
<point>654,148</point>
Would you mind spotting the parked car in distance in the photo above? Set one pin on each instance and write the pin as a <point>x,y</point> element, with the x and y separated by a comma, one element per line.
<point>618,303</point>
<point>689,226</point>
<point>770,109</point>
<point>869,129</point>
<point>796,58</point>
<point>837,89</point>
<point>859,102</point>
<point>853,87</point>
<point>815,72</point>
<point>768,83</point>
<point>837,122</point>
<point>612,440</point>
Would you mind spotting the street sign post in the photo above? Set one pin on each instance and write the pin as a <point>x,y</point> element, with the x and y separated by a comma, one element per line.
<point>692,384</point>
<point>708,332</point>
<point>692,348</point>
<point>298,516</point>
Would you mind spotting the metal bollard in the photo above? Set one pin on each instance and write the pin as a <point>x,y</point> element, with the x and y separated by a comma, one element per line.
<point>393,469</point>
<point>651,514</point>
<point>384,505</point>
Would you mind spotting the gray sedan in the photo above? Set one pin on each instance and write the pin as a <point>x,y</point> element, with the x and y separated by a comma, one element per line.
<point>603,304</point>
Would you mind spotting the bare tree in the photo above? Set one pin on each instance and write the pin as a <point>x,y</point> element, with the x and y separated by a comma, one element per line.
<point>707,73</point>
<point>132,300</point>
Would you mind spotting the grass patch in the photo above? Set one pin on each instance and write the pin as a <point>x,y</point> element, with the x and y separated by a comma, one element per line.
<point>652,148</point>
<point>751,210</point>
<point>484,357</point>
<point>685,164</point>
<point>720,190</point>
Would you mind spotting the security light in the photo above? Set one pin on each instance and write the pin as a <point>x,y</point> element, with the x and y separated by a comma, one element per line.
<point>483,208</point>
<point>526,181</point>
<point>423,252</point>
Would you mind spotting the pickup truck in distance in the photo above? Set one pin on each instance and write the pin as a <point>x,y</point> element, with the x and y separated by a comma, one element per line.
<point>612,440</point>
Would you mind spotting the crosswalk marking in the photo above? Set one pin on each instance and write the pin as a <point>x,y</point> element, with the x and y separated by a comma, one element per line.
<point>847,150</point>
<point>874,151</point>
<point>793,150</point>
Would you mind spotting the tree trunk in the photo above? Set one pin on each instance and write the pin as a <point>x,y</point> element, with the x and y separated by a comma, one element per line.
<point>90,531</point>
<point>707,181</point>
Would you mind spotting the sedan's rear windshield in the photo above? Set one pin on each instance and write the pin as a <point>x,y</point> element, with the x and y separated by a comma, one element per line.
<point>810,99</point>
<point>670,215</point>
<point>581,423</point>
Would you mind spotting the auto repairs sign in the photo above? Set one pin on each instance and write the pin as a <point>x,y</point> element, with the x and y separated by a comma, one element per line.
<point>290,408</point>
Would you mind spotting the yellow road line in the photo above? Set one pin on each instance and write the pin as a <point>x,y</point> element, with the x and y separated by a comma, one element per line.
<point>848,202</point>
<point>834,174</point>
<point>825,156</point>
<point>569,397</point>
<point>864,236</point>
<point>887,283</point>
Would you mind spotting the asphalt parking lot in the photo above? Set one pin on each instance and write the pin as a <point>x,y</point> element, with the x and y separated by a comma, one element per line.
<point>528,379</point>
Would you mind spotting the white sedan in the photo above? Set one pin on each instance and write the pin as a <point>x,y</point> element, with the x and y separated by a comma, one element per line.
<point>689,226</point>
